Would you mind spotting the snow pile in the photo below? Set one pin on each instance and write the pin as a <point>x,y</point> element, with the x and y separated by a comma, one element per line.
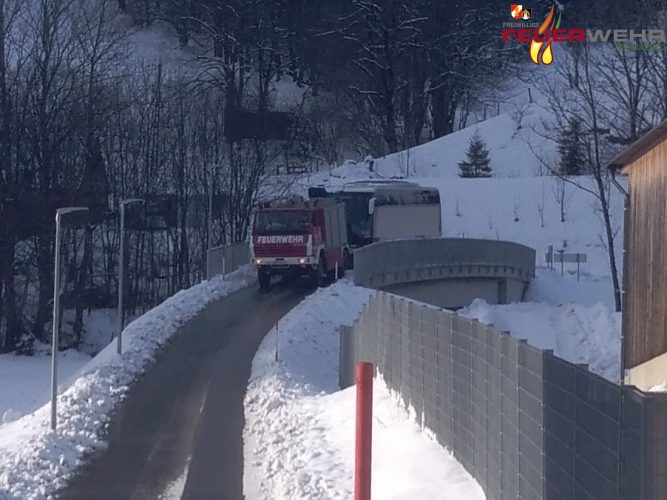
<point>351,170</point>
<point>550,287</point>
<point>299,435</point>
<point>100,327</point>
<point>588,333</point>
<point>35,461</point>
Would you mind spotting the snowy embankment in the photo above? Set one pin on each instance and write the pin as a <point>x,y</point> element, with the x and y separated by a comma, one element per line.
<point>299,435</point>
<point>572,318</point>
<point>35,461</point>
<point>518,144</point>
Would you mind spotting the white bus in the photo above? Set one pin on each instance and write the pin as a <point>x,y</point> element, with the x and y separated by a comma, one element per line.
<point>386,210</point>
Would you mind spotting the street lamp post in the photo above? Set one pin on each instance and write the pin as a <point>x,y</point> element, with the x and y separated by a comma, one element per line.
<point>210,213</point>
<point>214,170</point>
<point>68,216</point>
<point>121,273</point>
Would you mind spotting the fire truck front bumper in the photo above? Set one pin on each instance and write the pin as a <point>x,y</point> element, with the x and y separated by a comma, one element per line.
<point>285,265</point>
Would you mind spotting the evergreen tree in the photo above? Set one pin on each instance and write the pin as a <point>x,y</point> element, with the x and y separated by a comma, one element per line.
<point>477,162</point>
<point>571,150</point>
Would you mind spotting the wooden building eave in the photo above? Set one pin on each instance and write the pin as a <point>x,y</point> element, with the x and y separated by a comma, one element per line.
<point>639,148</point>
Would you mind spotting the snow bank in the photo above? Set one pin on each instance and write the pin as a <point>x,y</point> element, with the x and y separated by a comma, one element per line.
<point>351,170</point>
<point>299,435</point>
<point>577,332</point>
<point>35,461</point>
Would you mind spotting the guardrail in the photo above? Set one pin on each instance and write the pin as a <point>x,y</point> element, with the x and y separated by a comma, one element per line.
<point>401,261</point>
<point>524,423</point>
<point>225,259</point>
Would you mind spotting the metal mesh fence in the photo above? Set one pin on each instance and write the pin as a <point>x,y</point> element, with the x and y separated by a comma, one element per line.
<point>524,423</point>
<point>225,259</point>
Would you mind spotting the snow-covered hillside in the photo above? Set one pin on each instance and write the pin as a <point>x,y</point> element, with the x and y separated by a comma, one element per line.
<point>516,141</point>
<point>517,204</point>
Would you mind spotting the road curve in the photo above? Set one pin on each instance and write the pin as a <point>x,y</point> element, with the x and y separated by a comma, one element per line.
<point>187,411</point>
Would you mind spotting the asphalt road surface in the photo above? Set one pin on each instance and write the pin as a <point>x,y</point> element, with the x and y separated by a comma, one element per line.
<point>188,406</point>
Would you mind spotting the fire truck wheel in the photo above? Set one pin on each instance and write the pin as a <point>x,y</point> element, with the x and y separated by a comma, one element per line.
<point>347,260</point>
<point>264,280</point>
<point>320,273</point>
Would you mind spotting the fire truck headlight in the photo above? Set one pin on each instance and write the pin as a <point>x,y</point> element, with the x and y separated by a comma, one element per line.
<point>258,261</point>
<point>302,260</point>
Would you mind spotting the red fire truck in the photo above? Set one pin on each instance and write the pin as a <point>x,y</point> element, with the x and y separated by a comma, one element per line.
<point>299,237</point>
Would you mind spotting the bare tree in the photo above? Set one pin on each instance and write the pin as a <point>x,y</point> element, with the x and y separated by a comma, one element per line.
<point>587,101</point>
<point>559,189</point>
<point>387,37</point>
<point>98,52</point>
<point>541,205</point>
<point>50,87</point>
<point>657,60</point>
<point>11,54</point>
<point>624,75</point>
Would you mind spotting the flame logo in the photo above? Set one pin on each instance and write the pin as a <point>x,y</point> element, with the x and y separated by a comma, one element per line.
<point>535,47</point>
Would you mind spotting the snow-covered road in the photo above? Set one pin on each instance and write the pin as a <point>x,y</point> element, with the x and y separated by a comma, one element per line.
<point>184,418</point>
<point>36,462</point>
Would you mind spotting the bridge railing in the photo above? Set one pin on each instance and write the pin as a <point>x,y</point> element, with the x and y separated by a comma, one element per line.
<point>401,261</point>
<point>225,259</point>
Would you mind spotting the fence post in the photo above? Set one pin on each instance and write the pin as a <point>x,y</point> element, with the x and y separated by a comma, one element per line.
<point>277,339</point>
<point>362,468</point>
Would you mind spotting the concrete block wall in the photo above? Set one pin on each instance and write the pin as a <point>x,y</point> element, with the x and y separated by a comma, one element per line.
<point>524,423</point>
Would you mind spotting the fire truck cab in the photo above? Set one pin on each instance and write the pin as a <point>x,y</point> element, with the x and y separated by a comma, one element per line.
<point>299,238</point>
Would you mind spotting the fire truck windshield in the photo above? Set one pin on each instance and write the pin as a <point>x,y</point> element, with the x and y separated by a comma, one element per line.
<point>281,222</point>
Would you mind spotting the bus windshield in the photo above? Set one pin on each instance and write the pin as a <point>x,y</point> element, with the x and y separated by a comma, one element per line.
<point>281,222</point>
<point>358,218</point>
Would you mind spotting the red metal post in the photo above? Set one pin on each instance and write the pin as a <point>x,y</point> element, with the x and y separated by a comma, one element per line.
<point>362,467</point>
